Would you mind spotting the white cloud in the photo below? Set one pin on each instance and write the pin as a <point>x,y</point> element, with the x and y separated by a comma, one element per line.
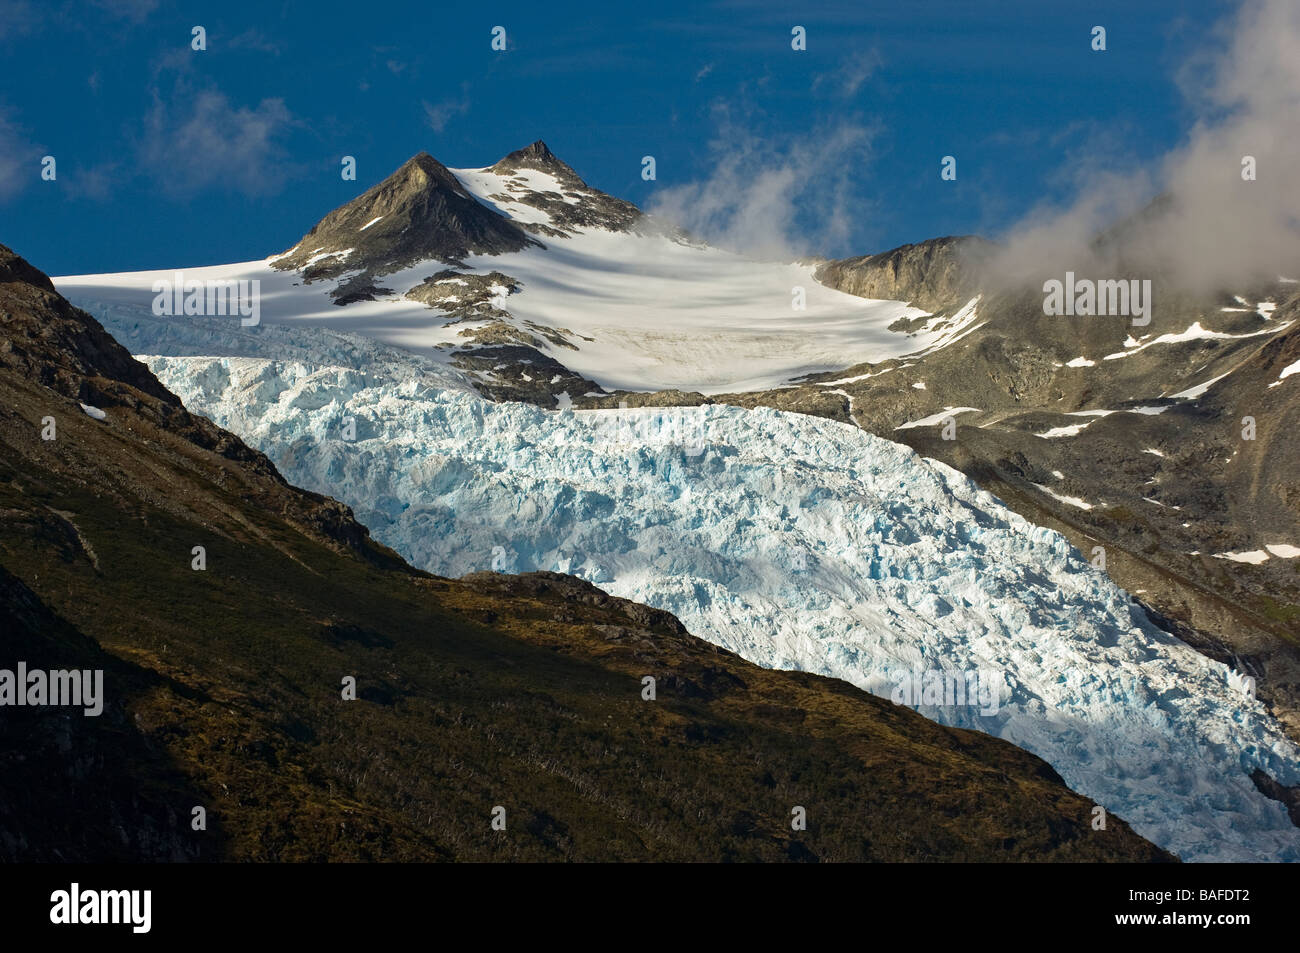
<point>1213,228</point>
<point>852,73</point>
<point>202,141</point>
<point>439,114</point>
<point>134,10</point>
<point>768,199</point>
<point>20,158</point>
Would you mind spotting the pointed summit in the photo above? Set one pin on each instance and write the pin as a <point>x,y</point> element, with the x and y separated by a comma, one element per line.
<point>420,212</point>
<point>538,149</point>
<point>568,202</point>
<point>539,156</point>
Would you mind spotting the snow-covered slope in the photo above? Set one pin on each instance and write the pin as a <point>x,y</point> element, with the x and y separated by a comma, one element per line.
<point>643,312</point>
<point>797,542</point>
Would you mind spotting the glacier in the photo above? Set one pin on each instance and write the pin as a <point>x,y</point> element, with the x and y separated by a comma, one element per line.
<point>796,541</point>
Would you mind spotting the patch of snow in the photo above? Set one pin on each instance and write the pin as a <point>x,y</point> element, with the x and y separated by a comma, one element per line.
<point>1199,390</point>
<point>852,380</point>
<point>937,418</point>
<point>1194,333</point>
<point>1070,430</point>
<point>1254,557</point>
<point>94,412</point>
<point>1071,500</point>
<point>369,223</point>
<point>341,255</point>
<point>274,258</point>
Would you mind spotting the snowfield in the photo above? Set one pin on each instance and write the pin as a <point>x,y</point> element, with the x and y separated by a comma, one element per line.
<point>799,543</point>
<point>663,315</point>
<point>643,312</point>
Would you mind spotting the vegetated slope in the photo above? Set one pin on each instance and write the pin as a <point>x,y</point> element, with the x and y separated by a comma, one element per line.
<point>223,684</point>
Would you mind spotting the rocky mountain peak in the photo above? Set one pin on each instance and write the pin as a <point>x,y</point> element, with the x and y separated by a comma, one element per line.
<point>538,150</point>
<point>571,203</point>
<point>537,156</point>
<point>420,173</point>
<point>420,212</point>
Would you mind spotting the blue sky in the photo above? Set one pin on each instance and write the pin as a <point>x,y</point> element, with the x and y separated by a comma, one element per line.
<point>168,157</point>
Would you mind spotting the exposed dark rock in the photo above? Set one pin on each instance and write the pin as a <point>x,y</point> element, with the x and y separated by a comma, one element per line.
<point>586,207</point>
<point>1289,796</point>
<point>423,213</point>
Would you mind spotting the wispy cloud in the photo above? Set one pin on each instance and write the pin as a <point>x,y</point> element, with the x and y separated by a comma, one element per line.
<point>1212,227</point>
<point>851,74</point>
<point>19,158</point>
<point>18,18</point>
<point>200,141</point>
<point>92,182</point>
<point>439,114</point>
<point>134,10</point>
<point>255,41</point>
<point>773,199</point>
